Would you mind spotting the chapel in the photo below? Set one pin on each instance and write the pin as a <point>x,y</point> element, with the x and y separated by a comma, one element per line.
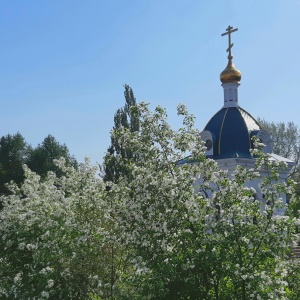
<point>228,134</point>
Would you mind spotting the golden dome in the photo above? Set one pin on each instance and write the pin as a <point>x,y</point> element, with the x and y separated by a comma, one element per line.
<point>230,73</point>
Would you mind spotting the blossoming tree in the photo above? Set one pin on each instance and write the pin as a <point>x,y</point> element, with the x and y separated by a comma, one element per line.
<point>54,237</point>
<point>174,240</point>
<point>212,241</point>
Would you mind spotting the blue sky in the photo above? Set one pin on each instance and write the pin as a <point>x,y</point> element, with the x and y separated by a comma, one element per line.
<point>63,63</point>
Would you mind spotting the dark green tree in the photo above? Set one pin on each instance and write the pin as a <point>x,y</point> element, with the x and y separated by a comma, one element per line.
<point>286,141</point>
<point>41,158</point>
<point>14,152</point>
<point>126,117</point>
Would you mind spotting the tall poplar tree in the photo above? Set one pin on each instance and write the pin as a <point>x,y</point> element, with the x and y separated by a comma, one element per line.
<point>125,117</point>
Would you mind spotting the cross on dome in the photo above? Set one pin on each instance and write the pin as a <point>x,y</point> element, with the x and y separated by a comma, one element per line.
<point>229,30</point>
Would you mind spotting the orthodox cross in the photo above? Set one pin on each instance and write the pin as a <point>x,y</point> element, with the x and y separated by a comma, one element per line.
<point>229,30</point>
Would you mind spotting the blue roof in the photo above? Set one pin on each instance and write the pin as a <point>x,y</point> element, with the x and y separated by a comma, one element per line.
<point>232,129</point>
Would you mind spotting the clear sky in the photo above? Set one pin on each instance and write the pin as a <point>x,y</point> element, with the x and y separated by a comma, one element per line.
<point>63,63</point>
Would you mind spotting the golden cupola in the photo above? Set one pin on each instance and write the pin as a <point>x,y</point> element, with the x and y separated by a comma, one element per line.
<point>230,74</point>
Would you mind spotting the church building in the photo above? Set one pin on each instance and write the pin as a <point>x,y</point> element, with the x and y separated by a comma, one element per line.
<point>228,134</point>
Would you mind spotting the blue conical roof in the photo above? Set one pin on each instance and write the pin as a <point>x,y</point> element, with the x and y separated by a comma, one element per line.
<point>231,129</point>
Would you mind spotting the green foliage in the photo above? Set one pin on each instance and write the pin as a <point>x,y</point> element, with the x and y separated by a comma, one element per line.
<point>286,140</point>
<point>127,118</point>
<point>293,289</point>
<point>41,158</point>
<point>14,152</point>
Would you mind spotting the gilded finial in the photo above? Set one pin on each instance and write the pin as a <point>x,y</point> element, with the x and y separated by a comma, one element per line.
<point>230,74</point>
